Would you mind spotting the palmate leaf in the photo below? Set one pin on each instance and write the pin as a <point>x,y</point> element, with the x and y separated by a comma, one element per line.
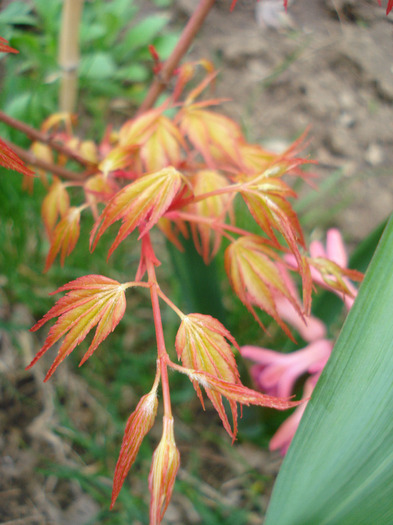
<point>65,237</point>
<point>55,204</point>
<point>207,241</point>
<point>339,468</point>
<point>266,197</point>
<point>91,300</point>
<point>141,203</point>
<point>201,344</point>
<point>5,48</point>
<point>11,161</point>
<point>252,269</point>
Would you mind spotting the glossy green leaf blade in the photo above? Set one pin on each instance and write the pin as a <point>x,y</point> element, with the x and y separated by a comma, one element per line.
<point>339,468</point>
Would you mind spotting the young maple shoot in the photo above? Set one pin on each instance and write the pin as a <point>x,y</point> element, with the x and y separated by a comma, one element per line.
<point>191,189</point>
<point>178,172</point>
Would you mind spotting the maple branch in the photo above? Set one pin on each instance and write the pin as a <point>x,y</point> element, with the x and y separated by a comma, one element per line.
<point>34,134</point>
<point>147,251</point>
<point>30,158</point>
<point>189,32</point>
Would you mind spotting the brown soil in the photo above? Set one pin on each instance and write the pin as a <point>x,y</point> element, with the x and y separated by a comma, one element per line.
<point>332,71</point>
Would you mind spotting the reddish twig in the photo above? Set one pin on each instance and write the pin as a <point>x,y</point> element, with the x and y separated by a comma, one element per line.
<point>186,39</point>
<point>34,134</point>
<point>30,158</point>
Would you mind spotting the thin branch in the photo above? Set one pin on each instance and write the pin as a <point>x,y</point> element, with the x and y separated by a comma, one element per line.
<point>30,158</point>
<point>185,41</point>
<point>34,134</point>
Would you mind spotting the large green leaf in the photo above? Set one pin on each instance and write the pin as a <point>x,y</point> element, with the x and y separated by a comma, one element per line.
<point>339,468</point>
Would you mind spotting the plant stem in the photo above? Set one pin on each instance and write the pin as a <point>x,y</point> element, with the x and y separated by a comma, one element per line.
<point>147,251</point>
<point>34,134</point>
<point>185,41</point>
<point>212,222</point>
<point>69,54</point>
<point>30,158</point>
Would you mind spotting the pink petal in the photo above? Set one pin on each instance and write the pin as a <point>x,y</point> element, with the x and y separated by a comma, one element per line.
<point>317,249</point>
<point>335,248</point>
<point>284,435</point>
<point>310,328</point>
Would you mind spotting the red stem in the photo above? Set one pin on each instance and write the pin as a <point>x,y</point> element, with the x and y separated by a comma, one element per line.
<point>147,252</point>
<point>34,134</point>
<point>30,158</point>
<point>185,41</point>
<point>212,222</point>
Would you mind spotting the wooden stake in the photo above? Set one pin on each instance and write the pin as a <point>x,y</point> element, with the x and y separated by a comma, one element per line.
<point>69,54</point>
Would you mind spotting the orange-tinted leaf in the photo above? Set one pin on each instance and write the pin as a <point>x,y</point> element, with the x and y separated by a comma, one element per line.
<point>210,132</point>
<point>240,393</point>
<point>136,131</point>
<point>88,151</point>
<point>255,159</point>
<point>65,237</point>
<point>172,229</point>
<point>256,279</point>
<point>138,425</point>
<point>266,198</point>
<point>11,161</point>
<point>119,157</point>
<point>91,300</point>
<point>201,344</point>
<point>185,73</point>
<point>99,188</point>
<point>55,204</point>
<point>5,48</point>
<point>157,139</point>
<point>334,276</point>
<point>216,207</point>
<point>141,203</point>
<point>163,147</point>
<point>164,467</point>
<point>54,121</point>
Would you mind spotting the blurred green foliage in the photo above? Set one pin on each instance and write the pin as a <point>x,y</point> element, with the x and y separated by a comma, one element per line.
<point>115,65</point>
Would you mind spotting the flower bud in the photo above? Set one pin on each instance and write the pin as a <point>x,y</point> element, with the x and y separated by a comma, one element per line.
<point>165,464</point>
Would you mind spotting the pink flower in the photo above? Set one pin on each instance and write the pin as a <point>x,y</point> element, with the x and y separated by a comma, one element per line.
<point>334,277</point>
<point>309,327</point>
<point>284,435</point>
<point>276,373</point>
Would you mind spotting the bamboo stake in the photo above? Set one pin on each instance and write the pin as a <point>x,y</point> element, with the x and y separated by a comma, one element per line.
<point>69,54</point>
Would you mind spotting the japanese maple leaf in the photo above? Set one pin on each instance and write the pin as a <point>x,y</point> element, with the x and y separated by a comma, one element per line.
<point>5,48</point>
<point>65,237</point>
<point>389,7</point>
<point>202,345</point>
<point>213,135</point>
<point>55,204</point>
<point>206,240</point>
<point>266,196</point>
<point>141,203</point>
<point>10,160</point>
<point>252,268</point>
<point>91,300</point>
